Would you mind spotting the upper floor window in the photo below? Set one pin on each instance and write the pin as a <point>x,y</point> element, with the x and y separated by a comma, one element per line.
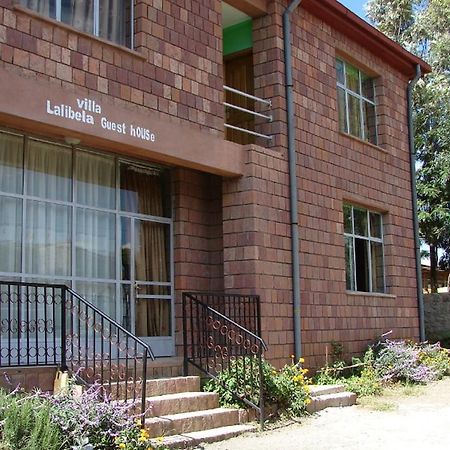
<point>109,19</point>
<point>356,102</point>
<point>364,259</point>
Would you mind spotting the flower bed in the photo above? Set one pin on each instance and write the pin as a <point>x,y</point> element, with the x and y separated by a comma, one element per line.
<point>388,362</point>
<point>65,421</point>
<point>286,389</point>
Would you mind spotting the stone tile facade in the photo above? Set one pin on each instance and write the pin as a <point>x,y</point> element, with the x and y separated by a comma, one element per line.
<point>233,233</point>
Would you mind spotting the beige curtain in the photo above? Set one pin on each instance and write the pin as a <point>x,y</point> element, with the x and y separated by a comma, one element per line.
<point>41,6</point>
<point>143,193</point>
<point>112,20</point>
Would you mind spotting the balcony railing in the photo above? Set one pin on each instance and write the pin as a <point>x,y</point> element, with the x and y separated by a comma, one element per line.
<point>250,101</point>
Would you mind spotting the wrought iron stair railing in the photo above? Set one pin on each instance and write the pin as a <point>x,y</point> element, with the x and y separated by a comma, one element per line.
<point>50,324</point>
<point>214,341</point>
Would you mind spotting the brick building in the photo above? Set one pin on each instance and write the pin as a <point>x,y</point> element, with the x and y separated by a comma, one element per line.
<point>119,178</point>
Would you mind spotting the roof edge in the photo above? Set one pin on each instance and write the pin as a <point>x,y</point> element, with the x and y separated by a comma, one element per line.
<point>357,29</point>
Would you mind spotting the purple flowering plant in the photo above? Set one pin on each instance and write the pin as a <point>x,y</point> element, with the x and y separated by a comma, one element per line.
<point>407,361</point>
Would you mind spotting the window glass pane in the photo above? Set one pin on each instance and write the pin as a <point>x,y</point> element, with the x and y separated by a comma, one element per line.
<point>10,234</point>
<point>114,17</point>
<point>342,110</point>
<point>45,7</point>
<point>144,190</point>
<point>48,239</point>
<point>362,265</point>
<point>360,217</point>
<point>95,244</point>
<point>354,110</point>
<point>375,225</point>
<point>125,254</point>
<point>340,72</point>
<point>370,129</point>
<point>11,163</point>
<point>101,295</point>
<point>349,264</point>
<point>352,77</point>
<point>79,14</point>
<point>367,87</point>
<point>348,220</point>
<point>49,171</point>
<point>96,181</point>
<point>377,267</point>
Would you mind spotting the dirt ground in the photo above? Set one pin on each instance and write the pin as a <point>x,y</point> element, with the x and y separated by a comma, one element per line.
<point>411,418</point>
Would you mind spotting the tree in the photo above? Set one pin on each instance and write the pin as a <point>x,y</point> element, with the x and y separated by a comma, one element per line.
<point>423,27</point>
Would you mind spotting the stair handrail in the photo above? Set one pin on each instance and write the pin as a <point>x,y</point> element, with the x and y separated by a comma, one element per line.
<point>94,370</point>
<point>215,342</point>
<point>46,324</point>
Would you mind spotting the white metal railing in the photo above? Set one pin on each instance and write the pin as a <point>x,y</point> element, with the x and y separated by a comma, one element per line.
<point>267,117</point>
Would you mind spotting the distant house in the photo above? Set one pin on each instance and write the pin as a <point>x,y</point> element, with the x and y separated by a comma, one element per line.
<point>442,279</point>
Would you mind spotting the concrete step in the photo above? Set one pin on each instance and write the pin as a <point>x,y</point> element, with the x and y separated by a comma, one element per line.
<point>154,387</point>
<point>180,403</point>
<point>324,389</point>
<point>195,438</point>
<point>189,422</point>
<point>338,399</point>
<point>174,385</point>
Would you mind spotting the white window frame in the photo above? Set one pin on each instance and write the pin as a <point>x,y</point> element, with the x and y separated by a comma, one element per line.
<point>361,98</point>
<point>160,344</point>
<point>369,238</point>
<point>96,30</point>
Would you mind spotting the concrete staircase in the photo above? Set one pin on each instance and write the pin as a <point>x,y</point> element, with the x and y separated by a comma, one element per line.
<point>325,396</point>
<point>181,416</point>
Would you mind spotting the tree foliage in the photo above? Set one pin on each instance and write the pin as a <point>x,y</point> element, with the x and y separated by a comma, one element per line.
<point>423,27</point>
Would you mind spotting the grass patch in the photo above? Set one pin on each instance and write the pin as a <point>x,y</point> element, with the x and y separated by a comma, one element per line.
<point>377,404</point>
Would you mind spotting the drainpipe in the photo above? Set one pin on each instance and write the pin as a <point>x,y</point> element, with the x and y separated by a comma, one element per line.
<point>292,156</point>
<point>412,155</point>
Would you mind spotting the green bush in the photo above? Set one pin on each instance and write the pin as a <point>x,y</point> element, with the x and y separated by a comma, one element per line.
<point>287,388</point>
<point>367,382</point>
<point>27,424</point>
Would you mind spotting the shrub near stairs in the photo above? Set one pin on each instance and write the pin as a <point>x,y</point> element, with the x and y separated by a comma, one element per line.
<point>286,388</point>
<point>65,421</point>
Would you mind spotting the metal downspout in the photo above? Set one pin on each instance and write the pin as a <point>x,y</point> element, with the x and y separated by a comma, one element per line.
<point>295,247</point>
<point>412,155</point>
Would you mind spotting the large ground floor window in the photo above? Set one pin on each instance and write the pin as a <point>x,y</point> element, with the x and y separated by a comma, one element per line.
<point>95,222</point>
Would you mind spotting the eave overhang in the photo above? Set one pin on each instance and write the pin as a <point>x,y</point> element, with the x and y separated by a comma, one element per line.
<point>346,22</point>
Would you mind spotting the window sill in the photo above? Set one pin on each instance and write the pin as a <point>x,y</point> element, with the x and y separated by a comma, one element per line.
<point>370,294</point>
<point>34,14</point>
<point>362,141</point>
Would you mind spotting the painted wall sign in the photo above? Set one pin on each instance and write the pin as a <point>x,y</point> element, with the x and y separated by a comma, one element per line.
<point>111,124</point>
<point>88,111</point>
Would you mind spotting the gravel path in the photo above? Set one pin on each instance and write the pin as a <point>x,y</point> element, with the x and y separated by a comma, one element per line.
<point>408,418</point>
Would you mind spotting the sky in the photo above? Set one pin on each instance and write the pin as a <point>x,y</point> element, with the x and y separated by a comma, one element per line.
<point>355,5</point>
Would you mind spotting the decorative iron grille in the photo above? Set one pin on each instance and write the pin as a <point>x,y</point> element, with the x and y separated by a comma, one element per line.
<point>215,342</point>
<point>45,324</point>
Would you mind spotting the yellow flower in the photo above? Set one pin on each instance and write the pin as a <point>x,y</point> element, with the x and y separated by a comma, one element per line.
<point>122,445</point>
<point>144,434</point>
<point>308,401</point>
<point>305,370</point>
<point>301,360</point>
